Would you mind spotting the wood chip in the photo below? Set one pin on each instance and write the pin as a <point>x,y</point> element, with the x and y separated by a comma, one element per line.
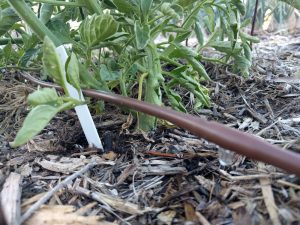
<point>11,199</point>
<point>63,214</point>
<point>269,197</point>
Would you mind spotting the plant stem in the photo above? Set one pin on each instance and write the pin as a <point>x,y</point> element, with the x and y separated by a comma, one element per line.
<point>140,93</point>
<point>59,3</point>
<point>25,12</point>
<point>152,90</point>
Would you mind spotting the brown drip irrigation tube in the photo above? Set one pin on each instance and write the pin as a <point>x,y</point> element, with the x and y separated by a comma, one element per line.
<point>226,137</point>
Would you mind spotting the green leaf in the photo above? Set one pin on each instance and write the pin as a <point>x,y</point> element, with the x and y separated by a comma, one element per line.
<point>242,64</point>
<point>73,71</point>
<point>166,9</point>
<point>8,18</point>
<point>199,68</point>
<point>247,52</point>
<point>60,29</point>
<point>199,34</point>
<point>175,100</point>
<point>226,46</point>
<point>211,18</point>
<point>181,51</point>
<point>46,12</point>
<point>185,3</point>
<point>142,34</point>
<point>43,96</point>
<point>240,6</point>
<point>51,62</point>
<point>89,81</point>
<point>145,6</point>
<point>294,3</point>
<point>246,37</point>
<point>124,6</point>
<point>28,55</point>
<point>107,74</point>
<point>36,120</point>
<point>7,50</point>
<point>97,28</point>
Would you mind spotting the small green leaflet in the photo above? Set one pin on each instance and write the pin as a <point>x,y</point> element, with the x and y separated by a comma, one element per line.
<point>43,96</point>
<point>51,62</point>
<point>36,120</point>
<point>142,34</point>
<point>73,71</point>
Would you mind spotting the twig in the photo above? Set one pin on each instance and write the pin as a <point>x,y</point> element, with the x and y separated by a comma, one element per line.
<point>261,132</point>
<point>254,17</point>
<point>49,194</point>
<point>94,196</point>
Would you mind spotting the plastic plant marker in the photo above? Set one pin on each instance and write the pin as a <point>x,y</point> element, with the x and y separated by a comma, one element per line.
<point>82,111</point>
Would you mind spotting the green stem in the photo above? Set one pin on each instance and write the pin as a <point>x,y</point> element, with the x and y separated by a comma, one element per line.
<point>141,80</point>
<point>152,87</point>
<point>59,3</point>
<point>25,12</point>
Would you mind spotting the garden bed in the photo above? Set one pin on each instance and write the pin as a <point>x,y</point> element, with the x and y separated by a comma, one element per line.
<point>168,176</point>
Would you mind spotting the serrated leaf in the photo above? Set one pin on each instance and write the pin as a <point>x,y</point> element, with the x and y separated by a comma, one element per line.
<point>142,34</point>
<point>73,71</point>
<point>51,62</point>
<point>43,96</point>
<point>36,120</point>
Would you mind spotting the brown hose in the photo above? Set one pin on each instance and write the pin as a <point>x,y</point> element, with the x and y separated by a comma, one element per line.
<point>226,137</point>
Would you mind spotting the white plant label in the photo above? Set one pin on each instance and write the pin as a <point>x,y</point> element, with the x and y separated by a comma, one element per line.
<point>82,111</point>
